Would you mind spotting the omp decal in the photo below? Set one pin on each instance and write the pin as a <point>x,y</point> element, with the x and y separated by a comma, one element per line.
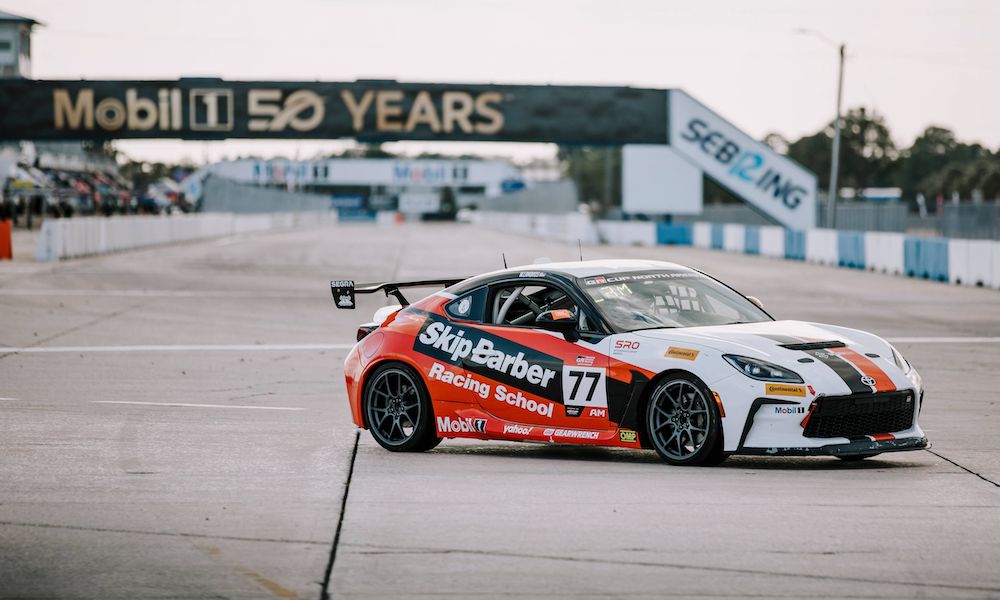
<point>628,435</point>
<point>681,353</point>
<point>492,356</point>
<point>464,425</point>
<point>874,377</point>
<point>784,389</point>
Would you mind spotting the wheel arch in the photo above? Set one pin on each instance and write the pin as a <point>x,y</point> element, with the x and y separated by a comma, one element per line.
<point>646,393</point>
<point>374,366</point>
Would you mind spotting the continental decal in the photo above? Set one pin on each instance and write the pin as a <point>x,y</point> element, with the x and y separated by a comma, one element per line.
<point>628,436</point>
<point>784,389</point>
<point>681,353</point>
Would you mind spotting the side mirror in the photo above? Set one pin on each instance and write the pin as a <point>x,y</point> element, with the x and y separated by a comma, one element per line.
<point>756,302</point>
<point>561,321</point>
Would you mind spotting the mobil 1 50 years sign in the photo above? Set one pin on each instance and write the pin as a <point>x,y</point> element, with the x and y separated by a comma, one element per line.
<point>375,110</point>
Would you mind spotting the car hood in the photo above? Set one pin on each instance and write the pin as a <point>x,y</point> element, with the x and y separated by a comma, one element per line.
<point>767,339</point>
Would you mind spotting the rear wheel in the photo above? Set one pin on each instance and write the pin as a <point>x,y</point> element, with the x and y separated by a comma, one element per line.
<point>683,424</point>
<point>398,410</point>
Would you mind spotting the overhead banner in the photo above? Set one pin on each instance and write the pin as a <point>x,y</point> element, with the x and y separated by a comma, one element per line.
<point>771,183</point>
<point>209,109</point>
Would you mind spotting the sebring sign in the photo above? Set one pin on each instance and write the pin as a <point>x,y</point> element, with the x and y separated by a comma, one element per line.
<point>368,111</point>
<point>768,181</point>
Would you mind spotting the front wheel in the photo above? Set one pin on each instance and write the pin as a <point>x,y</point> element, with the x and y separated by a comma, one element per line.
<point>398,410</point>
<point>683,423</point>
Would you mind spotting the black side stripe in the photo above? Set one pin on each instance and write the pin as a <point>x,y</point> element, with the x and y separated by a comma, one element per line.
<point>843,369</point>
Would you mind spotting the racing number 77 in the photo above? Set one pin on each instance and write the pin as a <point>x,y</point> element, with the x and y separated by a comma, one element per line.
<point>579,376</point>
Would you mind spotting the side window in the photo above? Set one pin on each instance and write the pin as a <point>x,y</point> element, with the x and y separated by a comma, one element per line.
<point>519,304</point>
<point>468,307</point>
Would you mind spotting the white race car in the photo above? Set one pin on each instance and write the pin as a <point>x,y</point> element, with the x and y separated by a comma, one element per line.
<point>628,353</point>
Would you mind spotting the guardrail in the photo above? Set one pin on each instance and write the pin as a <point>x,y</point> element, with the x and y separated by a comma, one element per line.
<point>72,238</point>
<point>959,261</point>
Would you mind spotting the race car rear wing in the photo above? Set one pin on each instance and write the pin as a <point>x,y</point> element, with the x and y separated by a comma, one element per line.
<point>343,290</point>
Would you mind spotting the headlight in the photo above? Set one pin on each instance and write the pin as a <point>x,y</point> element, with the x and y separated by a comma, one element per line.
<point>900,361</point>
<point>761,369</point>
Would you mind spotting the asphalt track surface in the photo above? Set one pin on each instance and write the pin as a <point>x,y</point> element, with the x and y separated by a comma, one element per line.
<point>174,425</point>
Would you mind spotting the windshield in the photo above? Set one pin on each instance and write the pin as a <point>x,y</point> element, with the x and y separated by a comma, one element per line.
<point>654,299</point>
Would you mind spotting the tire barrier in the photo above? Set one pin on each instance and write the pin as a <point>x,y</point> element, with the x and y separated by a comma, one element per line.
<point>87,236</point>
<point>964,262</point>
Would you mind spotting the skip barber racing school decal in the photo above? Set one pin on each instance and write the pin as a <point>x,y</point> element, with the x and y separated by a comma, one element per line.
<point>509,363</point>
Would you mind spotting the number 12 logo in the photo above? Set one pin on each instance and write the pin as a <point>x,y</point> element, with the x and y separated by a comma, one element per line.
<point>584,386</point>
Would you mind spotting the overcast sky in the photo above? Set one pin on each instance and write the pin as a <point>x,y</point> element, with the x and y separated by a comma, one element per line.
<point>916,62</point>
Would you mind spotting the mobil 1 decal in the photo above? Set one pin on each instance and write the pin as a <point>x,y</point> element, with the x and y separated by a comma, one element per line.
<point>509,363</point>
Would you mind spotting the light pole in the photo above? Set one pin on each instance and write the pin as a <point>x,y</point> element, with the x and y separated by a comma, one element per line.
<point>832,194</point>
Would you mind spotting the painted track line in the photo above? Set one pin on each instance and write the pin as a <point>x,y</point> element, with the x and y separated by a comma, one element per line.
<point>190,405</point>
<point>175,348</point>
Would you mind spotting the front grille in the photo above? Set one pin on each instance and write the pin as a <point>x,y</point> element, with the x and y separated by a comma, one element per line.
<point>861,414</point>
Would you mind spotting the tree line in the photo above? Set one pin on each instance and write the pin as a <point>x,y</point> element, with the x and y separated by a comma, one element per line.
<point>936,164</point>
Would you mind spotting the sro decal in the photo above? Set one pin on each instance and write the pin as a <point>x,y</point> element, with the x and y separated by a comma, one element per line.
<point>302,110</point>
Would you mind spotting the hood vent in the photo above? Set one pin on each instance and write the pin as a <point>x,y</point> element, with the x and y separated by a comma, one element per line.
<point>814,345</point>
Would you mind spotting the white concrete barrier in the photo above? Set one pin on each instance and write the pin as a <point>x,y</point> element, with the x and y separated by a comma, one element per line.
<point>71,238</point>
<point>994,265</point>
<point>772,241</point>
<point>884,252</point>
<point>701,235</point>
<point>970,262</point>
<point>734,237</point>
<point>821,246</point>
<point>627,233</point>
<point>567,228</point>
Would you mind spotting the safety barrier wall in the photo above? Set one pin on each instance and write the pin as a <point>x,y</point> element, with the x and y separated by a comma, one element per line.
<point>72,238</point>
<point>960,261</point>
<point>772,241</point>
<point>733,237</point>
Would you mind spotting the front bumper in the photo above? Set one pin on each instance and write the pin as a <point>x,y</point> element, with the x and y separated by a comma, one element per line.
<point>853,448</point>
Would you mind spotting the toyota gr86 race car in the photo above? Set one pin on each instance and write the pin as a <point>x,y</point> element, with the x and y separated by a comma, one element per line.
<point>626,353</point>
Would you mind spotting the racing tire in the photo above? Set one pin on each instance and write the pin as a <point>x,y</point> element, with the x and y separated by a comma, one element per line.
<point>398,410</point>
<point>683,423</point>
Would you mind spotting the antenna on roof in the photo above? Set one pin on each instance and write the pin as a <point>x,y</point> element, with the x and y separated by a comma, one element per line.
<point>504,257</point>
<point>579,246</point>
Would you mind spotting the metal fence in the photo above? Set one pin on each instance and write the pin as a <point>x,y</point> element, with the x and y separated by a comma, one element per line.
<point>850,216</point>
<point>972,221</point>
